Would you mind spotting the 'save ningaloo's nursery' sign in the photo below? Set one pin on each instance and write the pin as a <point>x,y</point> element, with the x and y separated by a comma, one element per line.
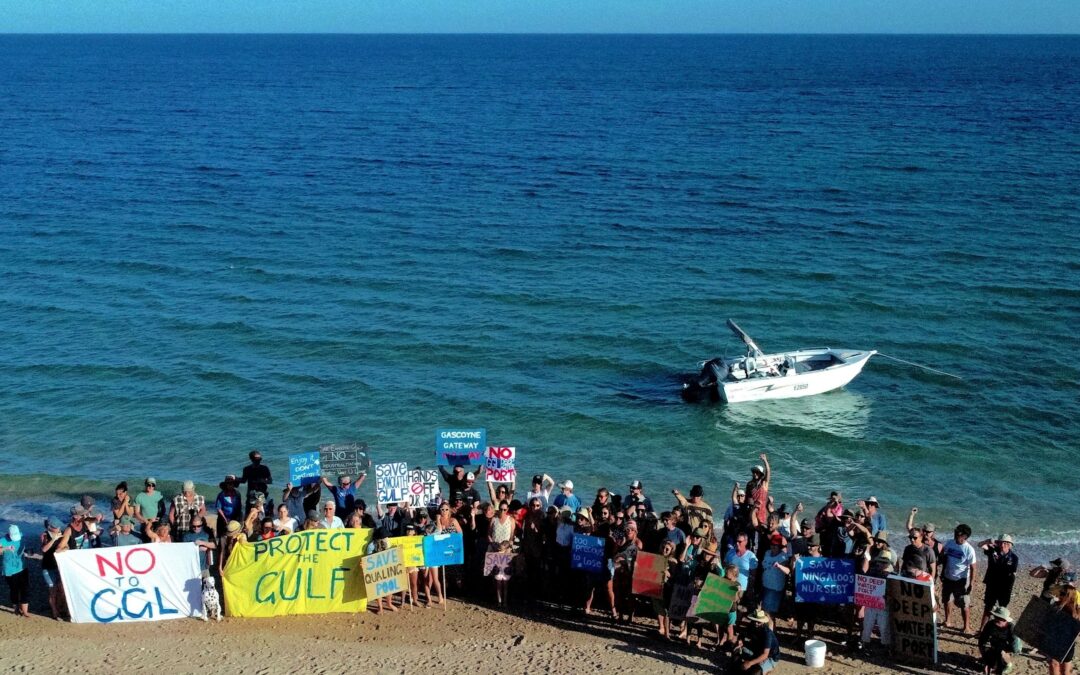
<point>132,583</point>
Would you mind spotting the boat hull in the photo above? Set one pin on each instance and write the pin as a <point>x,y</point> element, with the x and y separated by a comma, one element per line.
<point>795,385</point>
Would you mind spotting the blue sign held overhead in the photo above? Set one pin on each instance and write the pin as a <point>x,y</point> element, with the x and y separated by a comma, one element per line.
<point>587,553</point>
<point>460,446</point>
<point>304,468</point>
<point>444,549</point>
<point>826,581</point>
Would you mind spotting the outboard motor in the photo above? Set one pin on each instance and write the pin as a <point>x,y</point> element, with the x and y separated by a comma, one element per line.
<point>703,387</point>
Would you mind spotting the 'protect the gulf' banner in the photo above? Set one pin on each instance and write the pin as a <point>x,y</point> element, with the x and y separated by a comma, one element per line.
<point>828,581</point>
<point>309,572</point>
<point>460,446</point>
<point>132,583</point>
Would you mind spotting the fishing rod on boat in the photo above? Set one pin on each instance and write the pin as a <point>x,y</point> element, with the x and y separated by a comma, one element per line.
<point>919,365</point>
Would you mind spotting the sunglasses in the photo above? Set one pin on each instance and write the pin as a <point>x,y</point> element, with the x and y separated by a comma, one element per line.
<point>328,508</point>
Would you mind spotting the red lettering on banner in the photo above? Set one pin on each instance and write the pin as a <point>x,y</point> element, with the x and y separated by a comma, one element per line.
<point>127,558</point>
<point>500,453</point>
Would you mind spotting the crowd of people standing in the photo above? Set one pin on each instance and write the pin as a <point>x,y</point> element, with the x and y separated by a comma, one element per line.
<point>749,538</point>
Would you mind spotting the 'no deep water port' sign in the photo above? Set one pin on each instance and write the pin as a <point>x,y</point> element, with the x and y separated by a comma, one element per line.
<point>460,446</point>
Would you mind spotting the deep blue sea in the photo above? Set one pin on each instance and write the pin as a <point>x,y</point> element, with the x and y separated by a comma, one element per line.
<point>215,243</point>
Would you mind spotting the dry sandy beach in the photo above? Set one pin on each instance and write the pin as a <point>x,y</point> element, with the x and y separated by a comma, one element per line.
<point>463,637</point>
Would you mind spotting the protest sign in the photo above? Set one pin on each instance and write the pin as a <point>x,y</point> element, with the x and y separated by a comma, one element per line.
<point>460,446</point>
<point>682,596</point>
<point>911,616</point>
<point>500,464</point>
<point>423,487</point>
<point>587,553</point>
<point>1050,631</point>
<point>309,572</point>
<point>497,561</point>
<point>384,573</point>
<point>827,581</point>
<point>716,598</point>
<point>412,549</point>
<point>392,482</point>
<point>304,468</point>
<point>444,549</point>
<point>150,582</point>
<point>869,591</point>
<point>648,577</point>
<point>344,459</point>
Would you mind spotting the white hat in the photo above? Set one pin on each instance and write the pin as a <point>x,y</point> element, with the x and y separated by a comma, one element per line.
<point>13,533</point>
<point>189,486</point>
<point>759,469</point>
<point>567,485</point>
<point>470,476</point>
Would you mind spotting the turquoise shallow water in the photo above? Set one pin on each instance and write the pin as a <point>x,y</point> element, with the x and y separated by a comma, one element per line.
<point>214,243</point>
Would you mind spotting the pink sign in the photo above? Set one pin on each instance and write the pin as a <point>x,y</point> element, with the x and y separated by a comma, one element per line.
<point>869,592</point>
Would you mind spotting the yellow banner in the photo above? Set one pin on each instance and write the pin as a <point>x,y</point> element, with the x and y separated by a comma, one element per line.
<point>309,572</point>
<point>412,548</point>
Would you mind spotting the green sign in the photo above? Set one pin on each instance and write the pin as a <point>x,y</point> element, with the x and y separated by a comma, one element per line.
<point>716,599</point>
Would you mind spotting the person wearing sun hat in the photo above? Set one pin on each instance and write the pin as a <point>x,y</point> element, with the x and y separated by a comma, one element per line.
<point>761,649</point>
<point>1001,565</point>
<point>566,497</point>
<point>996,642</point>
<point>15,574</point>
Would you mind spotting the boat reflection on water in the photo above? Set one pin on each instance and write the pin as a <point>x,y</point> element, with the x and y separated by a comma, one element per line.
<point>840,413</point>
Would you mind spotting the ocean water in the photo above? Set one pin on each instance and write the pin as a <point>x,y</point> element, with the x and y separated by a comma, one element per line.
<point>215,243</point>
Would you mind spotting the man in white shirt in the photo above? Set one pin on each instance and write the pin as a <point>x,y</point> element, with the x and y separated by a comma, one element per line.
<point>958,573</point>
<point>330,521</point>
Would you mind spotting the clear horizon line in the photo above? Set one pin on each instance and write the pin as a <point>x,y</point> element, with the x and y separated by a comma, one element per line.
<point>531,33</point>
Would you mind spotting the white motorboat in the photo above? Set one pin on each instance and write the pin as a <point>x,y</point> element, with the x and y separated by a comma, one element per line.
<point>759,376</point>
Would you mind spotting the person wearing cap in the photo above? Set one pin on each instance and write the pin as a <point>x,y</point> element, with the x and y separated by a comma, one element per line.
<point>882,563</point>
<point>958,574</point>
<point>917,555</point>
<point>14,569</point>
<point>344,493</point>
<point>468,493</point>
<point>996,642</point>
<point>185,506</point>
<point>638,500</point>
<point>149,504</point>
<point>757,488</point>
<point>760,649</point>
<point>455,482</point>
<point>124,535</point>
<point>50,571</point>
<point>256,476</point>
<point>77,535</point>
<point>696,508</point>
<point>775,568</point>
<point>789,520</point>
<point>121,503</point>
<point>800,543</point>
<point>541,489</point>
<point>1001,565</point>
<point>566,498</point>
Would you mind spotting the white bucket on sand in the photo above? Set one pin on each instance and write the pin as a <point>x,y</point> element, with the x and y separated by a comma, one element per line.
<point>815,653</point>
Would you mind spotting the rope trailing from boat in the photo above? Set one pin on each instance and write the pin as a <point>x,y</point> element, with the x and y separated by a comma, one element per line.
<point>919,365</point>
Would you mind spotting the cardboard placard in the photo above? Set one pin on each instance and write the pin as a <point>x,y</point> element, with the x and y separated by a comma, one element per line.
<point>412,549</point>
<point>344,459</point>
<point>423,487</point>
<point>392,482</point>
<point>384,573</point>
<point>444,549</point>
<point>716,598</point>
<point>305,468</point>
<point>911,617</point>
<point>497,561</point>
<point>500,464</point>
<point>648,577</point>
<point>1050,631</point>
<point>869,591</point>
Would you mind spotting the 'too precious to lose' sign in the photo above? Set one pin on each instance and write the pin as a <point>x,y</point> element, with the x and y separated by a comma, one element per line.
<point>460,446</point>
<point>827,581</point>
<point>499,464</point>
<point>587,553</point>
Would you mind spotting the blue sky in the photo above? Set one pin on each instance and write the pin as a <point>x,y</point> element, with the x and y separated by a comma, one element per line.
<point>540,16</point>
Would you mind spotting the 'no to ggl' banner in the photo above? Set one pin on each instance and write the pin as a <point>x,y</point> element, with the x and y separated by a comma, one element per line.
<point>309,572</point>
<point>132,583</point>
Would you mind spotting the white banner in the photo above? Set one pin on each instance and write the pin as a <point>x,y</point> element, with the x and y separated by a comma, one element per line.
<point>149,582</point>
